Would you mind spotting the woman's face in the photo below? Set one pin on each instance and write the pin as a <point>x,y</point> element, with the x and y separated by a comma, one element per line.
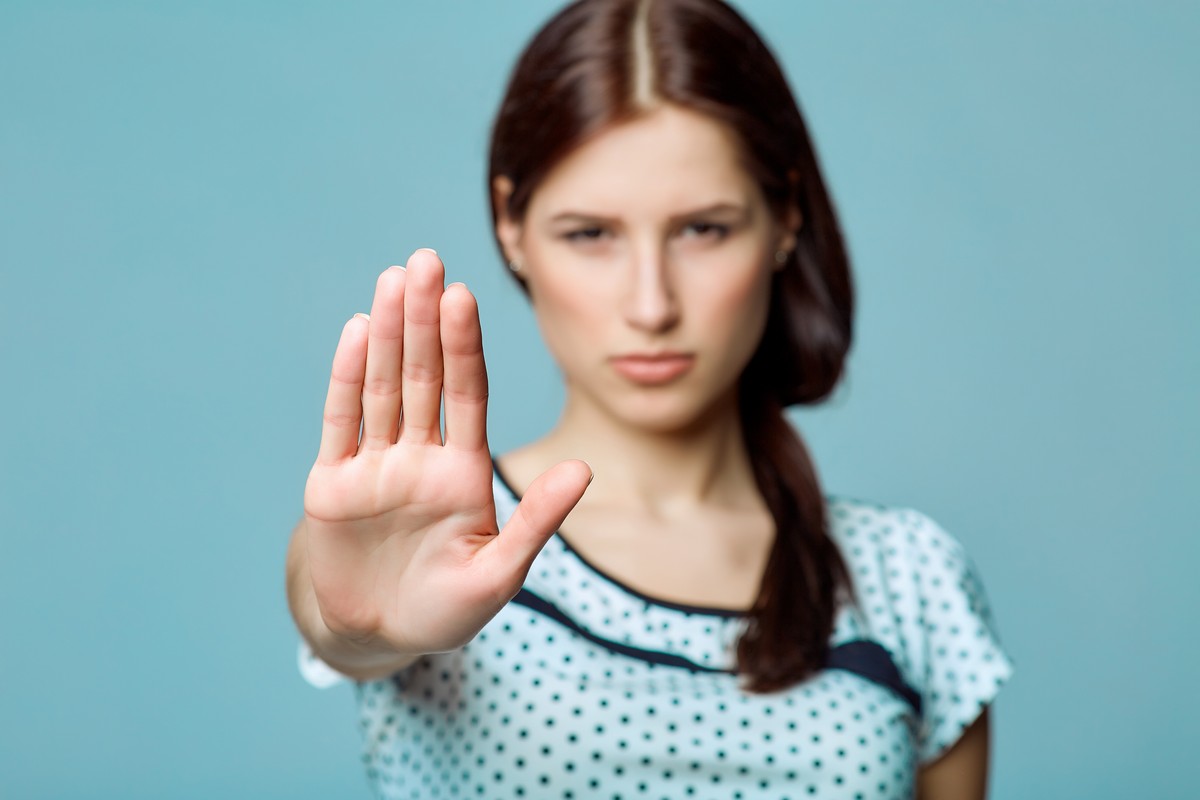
<point>648,253</point>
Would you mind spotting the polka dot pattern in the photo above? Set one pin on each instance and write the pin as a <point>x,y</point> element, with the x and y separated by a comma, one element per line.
<point>582,687</point>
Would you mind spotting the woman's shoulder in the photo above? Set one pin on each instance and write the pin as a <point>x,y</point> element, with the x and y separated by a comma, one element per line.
<point>854,518</point>
<point>908,571</point>
<point>921,596</point>
<point>901,537</point>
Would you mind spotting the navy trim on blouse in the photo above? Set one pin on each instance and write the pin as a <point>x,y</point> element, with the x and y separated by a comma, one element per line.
<point>545,607</point>
<point>862,657</point>
<point>872,661</point>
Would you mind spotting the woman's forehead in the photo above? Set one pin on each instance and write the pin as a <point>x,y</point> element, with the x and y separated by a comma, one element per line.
<point>669,159</point>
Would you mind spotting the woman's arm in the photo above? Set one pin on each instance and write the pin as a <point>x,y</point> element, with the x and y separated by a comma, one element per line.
<point>961,773</point>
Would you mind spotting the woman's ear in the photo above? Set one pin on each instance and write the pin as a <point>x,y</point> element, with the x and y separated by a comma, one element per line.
<point>508,230</point>
<point>793,220</point>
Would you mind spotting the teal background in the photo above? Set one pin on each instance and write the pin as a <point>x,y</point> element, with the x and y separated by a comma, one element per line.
<point>194,197</point>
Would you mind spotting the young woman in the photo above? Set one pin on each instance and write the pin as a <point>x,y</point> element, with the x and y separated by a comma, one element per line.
<point>655,599</point>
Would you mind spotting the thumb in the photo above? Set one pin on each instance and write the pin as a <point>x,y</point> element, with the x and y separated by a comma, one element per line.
<point>541,511</point>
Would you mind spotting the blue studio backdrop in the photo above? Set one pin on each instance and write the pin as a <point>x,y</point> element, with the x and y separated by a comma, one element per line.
<point>195,196</point>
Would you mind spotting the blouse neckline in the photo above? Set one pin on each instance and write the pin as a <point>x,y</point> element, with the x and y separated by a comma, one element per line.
<point>685,608</point>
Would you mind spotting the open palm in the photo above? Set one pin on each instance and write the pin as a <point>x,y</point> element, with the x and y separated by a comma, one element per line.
<point>403,546</point>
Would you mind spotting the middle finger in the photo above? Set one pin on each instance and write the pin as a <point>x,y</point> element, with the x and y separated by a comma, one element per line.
<point>421,371</point>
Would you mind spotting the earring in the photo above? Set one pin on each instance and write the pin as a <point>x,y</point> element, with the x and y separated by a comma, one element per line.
<point>515,265</point>
<point>781,257</point>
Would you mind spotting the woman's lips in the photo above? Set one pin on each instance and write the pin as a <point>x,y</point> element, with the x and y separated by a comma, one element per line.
<point>652,370</point>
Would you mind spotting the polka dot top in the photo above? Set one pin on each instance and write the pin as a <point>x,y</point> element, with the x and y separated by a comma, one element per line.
<point>582,687</point>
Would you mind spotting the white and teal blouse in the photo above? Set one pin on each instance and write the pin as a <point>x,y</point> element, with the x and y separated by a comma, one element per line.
<point>583,687</point>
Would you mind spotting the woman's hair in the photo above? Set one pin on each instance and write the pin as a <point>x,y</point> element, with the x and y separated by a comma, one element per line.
<point>598,63</point>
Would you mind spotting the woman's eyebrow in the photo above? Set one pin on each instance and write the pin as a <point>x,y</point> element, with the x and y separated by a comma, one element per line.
<point>721,207</point>
<point>580,216</point>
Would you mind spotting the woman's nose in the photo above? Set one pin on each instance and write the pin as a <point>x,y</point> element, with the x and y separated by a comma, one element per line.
<point>651,305</point>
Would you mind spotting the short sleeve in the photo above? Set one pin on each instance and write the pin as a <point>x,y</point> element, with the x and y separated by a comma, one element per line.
<point>964,663</point>
<point>316,671</point>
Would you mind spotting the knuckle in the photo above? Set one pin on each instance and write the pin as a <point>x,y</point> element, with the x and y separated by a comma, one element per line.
<point>420,318</point>
<point>413,430</point>
<point>345,380</point>
<point>375,441</point>
<point>422,373</point>
<point>340,420</point>
<point>465,396</point>
<point>381,387</point>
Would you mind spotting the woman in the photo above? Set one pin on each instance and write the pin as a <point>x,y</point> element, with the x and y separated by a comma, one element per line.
<point>707,622</point>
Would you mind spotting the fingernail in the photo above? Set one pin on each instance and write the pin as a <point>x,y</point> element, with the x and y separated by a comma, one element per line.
<point>367,317</point>
<point>428,250</point>
<point>398,266</point>
<point>457,283</point>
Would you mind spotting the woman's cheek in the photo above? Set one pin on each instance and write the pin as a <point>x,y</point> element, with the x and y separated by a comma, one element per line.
<point>740,314</point>
<point>568,328</point>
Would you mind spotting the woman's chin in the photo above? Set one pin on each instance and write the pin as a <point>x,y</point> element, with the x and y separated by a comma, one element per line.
<point>665,413</point>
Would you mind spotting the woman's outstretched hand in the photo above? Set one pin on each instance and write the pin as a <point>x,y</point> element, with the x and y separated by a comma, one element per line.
<point>400,533</point>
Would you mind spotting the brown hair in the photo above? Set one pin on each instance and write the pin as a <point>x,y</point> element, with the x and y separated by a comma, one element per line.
<point>600,62</point>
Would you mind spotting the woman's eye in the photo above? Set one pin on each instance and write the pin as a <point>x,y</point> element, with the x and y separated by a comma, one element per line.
<point>707,230</point>
<point>585,235</point>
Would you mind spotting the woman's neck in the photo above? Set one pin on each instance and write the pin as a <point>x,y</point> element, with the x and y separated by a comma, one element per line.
<point>661,472</point>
